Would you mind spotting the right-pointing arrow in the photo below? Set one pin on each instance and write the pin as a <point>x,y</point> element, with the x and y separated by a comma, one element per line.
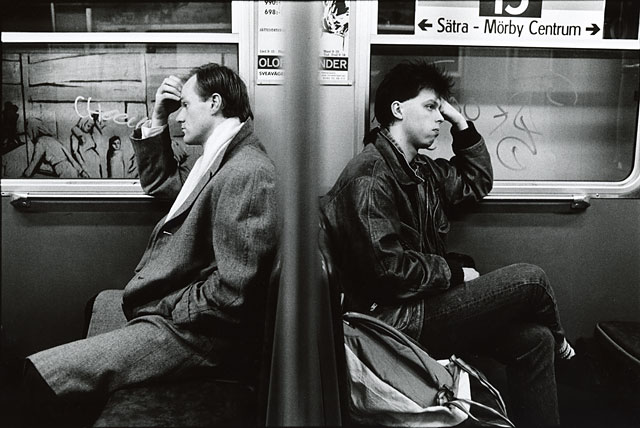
<point>594,29</point>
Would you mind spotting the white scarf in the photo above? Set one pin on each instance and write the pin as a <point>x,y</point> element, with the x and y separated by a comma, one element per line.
<point>213,151</point>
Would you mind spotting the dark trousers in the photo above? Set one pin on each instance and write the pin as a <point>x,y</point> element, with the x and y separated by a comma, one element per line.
<point>511,315</point>
<point>66,382</point>
<point>38,406</point>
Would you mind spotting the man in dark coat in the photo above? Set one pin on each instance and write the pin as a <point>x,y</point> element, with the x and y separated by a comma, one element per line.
<point>197,297</point>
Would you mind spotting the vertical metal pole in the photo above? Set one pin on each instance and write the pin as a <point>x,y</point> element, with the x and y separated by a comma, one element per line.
<point>52,7</point>
<point>303,389</point>
<point>89,19</point>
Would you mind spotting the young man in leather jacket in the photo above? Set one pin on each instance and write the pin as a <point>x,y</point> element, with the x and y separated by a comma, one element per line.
<point>387,222</point>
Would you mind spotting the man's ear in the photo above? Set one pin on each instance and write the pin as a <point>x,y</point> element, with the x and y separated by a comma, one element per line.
<point>396,110</point>
<point>216,103</point>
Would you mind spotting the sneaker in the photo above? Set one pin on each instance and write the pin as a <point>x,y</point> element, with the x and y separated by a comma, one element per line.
<point>565,352</point>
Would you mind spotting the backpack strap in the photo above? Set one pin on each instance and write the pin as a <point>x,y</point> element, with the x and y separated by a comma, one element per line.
<point>458,403</point>
<point>501,413</point>
<point>482,379</point>
<point>383,328</point>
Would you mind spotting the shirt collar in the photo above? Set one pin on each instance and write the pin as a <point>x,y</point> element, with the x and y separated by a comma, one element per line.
<point>404,171</point>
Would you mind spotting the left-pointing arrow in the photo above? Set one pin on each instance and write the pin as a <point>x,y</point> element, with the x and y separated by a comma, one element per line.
<point>424,25</point>
<point>594,29</point>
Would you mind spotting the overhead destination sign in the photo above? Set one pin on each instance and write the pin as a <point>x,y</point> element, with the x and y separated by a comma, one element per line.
<point>512,21</point>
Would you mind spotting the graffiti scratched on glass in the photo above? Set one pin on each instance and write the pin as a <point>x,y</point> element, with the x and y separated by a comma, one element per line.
<point>115,115</point>
<point>517,120</point>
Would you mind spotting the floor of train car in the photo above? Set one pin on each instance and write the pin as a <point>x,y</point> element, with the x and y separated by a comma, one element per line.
<point>590,397</point>
<point>600,390</point>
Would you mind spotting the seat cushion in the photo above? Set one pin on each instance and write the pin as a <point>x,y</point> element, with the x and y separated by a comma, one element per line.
<point>621,340</point>
<point>189,403</point>
<point>624,335</point>
<point>208,401</point>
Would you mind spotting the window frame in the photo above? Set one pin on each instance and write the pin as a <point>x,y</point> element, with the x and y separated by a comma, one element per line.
<point>367,20</point>
<point>241,35</point>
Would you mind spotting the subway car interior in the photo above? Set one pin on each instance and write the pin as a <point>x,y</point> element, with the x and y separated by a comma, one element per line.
<point>551,86</point>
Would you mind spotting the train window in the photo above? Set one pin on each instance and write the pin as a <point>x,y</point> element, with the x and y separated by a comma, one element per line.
<point>76,84</point>
<point>553,86</point>
<point>546,114</point>
<point>134,16</point>
<point>71,107</point>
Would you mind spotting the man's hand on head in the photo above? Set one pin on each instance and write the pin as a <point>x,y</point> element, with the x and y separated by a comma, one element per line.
<point>167,100</point>
<point>453,116</point>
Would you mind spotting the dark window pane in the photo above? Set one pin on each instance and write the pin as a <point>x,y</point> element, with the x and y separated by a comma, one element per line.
<point>133,16</point>
<point>396,17</point>
<point>546,114</point>
<point>36,17</point>
<point>621,19</point>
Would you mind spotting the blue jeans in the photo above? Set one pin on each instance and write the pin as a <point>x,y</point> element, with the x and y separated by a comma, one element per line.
<point>511,315</point>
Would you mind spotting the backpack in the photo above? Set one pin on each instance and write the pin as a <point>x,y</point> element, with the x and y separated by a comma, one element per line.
<point>394,382</point>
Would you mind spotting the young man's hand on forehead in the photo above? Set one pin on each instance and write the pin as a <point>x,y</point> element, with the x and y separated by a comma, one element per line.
<point>452,115</point>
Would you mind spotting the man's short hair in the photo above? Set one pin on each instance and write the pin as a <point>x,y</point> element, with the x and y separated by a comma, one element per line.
<point>217,79</point>
<point>405,81</point>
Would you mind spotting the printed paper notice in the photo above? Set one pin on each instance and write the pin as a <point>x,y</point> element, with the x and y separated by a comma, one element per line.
<point>334,42</point>
<point>270,43</point>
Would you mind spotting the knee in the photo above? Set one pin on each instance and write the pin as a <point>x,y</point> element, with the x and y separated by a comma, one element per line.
<point>528,274</point>
<point>538,341</point>
<point>33,388</point>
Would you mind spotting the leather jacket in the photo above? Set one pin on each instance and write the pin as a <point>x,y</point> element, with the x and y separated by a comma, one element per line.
<point>387,224</point>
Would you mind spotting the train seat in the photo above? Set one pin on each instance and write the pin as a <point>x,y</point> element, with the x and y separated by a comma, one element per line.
<point>190,403</point>
<point>620,340</point>
<point>331,278</point>
<point>214,400</point>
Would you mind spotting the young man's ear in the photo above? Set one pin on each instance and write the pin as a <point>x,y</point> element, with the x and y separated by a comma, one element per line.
<point>396,110</point>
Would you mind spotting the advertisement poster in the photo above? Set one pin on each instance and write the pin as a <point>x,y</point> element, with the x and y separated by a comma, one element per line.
<point>334,43</point>
<point>499,20</point>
